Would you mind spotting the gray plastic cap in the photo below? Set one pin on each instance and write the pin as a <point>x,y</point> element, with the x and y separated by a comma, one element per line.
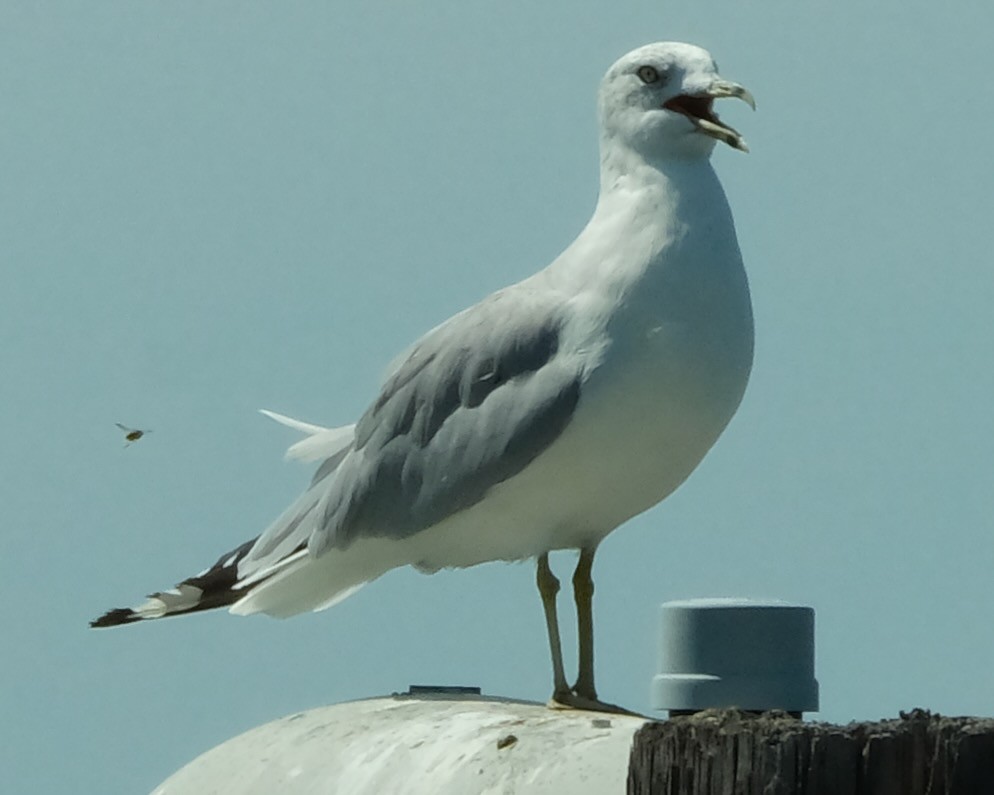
<point>745,653</point>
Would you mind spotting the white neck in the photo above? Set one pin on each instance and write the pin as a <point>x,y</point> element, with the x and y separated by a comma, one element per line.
<point>642,209</point>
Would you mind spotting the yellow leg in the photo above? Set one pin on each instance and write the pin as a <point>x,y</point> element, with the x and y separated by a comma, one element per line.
<point>548,588</point>
<point>583,593</point>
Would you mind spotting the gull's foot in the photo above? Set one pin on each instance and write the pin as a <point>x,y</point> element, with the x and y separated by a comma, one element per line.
<point>570,700</point>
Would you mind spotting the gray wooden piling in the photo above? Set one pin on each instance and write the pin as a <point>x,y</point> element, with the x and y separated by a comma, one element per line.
<point>730,752</point>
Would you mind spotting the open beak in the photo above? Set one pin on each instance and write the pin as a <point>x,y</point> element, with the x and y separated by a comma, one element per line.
<point>698,108</point>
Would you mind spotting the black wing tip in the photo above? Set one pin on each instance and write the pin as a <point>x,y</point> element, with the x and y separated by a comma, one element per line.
<point>213,588</point>
<point>115,618</point>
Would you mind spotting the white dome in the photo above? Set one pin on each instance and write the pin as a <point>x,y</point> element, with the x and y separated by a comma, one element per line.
<point>420,744</point>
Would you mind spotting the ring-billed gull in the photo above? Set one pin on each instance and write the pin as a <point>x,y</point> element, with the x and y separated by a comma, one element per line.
<point>550,412</point>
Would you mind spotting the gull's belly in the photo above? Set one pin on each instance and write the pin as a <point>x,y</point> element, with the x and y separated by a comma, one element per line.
<point>647,416</point>
<point>645,422</point>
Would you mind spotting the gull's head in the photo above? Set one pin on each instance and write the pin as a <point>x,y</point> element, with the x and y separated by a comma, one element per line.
<point>658,100</point>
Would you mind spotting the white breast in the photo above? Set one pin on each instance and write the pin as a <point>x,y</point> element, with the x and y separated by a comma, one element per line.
<point>670,362</point>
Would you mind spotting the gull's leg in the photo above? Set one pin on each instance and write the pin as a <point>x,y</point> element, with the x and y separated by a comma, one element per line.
<point>583,695</point>
<point>548,587</point>
<point>583,593</point>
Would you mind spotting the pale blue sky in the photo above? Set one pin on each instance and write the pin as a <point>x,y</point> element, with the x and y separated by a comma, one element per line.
<point>207,208</point>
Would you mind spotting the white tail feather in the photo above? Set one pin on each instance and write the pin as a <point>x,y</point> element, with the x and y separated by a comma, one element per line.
<point>308,583</point>
<point>320,443</point>
<point>290,422</point>
<point>292,591</point>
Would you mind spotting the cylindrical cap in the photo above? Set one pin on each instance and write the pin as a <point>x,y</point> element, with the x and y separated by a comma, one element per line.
<point>745,653</point>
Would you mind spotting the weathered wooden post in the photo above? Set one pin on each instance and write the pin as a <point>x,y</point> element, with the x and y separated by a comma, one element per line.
<point>729,752</point>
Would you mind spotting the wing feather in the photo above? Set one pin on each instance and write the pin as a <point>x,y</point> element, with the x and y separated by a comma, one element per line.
<point>471,404</point>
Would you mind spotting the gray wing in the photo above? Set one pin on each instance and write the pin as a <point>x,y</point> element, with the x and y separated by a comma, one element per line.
<point>472,404</point>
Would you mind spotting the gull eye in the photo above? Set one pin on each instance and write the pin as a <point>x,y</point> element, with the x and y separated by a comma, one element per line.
<point>648,74</point>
